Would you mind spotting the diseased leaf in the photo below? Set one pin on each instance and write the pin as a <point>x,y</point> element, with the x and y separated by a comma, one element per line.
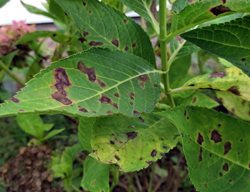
<point>204,11</point>
<point>231,80</point>
<point>95,176</point>
<point>133,144</point>
<point>92,83</point>
<point>199,100</point>
<point>142,7</point>
<point>103,26</point>
<point>216,147</point>
<point>235,104</point>
<point>227,40</point>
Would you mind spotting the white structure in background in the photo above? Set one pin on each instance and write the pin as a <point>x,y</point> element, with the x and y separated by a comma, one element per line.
<point>14,10</point>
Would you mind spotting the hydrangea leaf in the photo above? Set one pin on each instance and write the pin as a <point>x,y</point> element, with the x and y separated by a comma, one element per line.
<point>235,104</point>
<point>95,176</point>
<point>204,11</point>
<point>231,80</point>
<point>92,83</point>
<point>227,40</point>
<point>103,26</point>
<point>216,147</point>
<point>133,144</point>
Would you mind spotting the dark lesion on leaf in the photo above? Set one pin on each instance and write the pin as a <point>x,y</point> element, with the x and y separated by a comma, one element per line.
<point>227,147</point>
<point>82,109</point>
<point>219,10</point>
<point>62,81</point>
<point>15,100</point>
<point>218,74</point>
<point>216,136</point>
<point>153,153</point>
<point>234,90</point>
<point>90,72</point>
<point>132,134</point>
<point>143,79</point>
<point>200,154</point>
<point>117,158</point>
<point>115,42</point>
<point>200,139</point>
<point>132,95</point>
<point>95,43</point>
<point>105,100</point>
<point>225,167</point>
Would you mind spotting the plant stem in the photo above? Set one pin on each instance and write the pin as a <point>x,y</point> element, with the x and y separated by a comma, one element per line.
<point>163,47</point>
<point>12,75</point>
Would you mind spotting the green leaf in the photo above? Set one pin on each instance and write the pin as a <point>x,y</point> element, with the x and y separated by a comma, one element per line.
<point>235,105</point>
<point>92,83</point>
<point>52,134</point>
<point>117,4</point>
<point>55,35</point>
<point>198,99</point>
<point>227,40</point>
<point>3,2</point>
<point>231,80</point>
<point>85,130</point>
<point>216,147</point>
<point>103,26</point>
<point>33,125</point>
<point>133,144</point>
<point>142,7</point>
<point>204,11</point>
<point>62,166</point>
<point>35,10</point>
<point>96,176</point>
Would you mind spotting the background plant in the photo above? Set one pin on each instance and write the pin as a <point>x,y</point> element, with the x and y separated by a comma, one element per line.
<point>132,109</point>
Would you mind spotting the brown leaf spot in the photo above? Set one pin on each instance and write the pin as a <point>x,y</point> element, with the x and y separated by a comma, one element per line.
<point>116,95</point>
<point>105,100</point>
<point>132,96</point>
<point>95,43</point>
<point>194,99</point>
<point>153,153</point>
<point>227,147</point>
<point>117,157</point>
<point>200,154</point>
<point>131,135</point>
<point>61,83</point>
<point>216,136</point>
<point>125,21</point>
<point>225,167</point>
<point>85,33</point>
<point>200,139</point>
<point>115,42</point>
<point>84,3</point>
<point>141,119</point>
<point>223,1</point>
<point>82,39</point>
<point>101,83</point>
<point>115,105</point>
<point>143,79</point>
<point>234,90</point>
<point>218,75</point>
<point>134,45</point>
<point>90,72</point>
<point>219,10</point>
<point>15,100</point>
<point>243,59</point>
<point>136,112</point>
<point>82,109</point>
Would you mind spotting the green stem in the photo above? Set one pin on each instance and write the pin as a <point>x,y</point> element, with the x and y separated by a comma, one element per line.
<point>12,75</point>
<point>163,47</point>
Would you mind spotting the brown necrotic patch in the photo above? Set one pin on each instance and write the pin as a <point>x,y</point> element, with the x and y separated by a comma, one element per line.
<point>218,75</point>
<point>234,90</point>
<point>117,95</point>
<point>15,100</point>
<point>216,136</point>
<point>219,10</point>
<point>101,83</point>
<point>200,154</point>
<point>131,134</point>
<point>200,139</point>
<point>153,153</point>
<point>85,33</point>
<point>90,72</point>
<point>61,83</point>
<point>115,42</point>
<point>95,43</point>
<point>227,147</point>
<point>82,39</point>
<point>225,167</point>
<point>105,100</point>
<point>82,109</point>
<point>132,95</point>
<point>143,79</point>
